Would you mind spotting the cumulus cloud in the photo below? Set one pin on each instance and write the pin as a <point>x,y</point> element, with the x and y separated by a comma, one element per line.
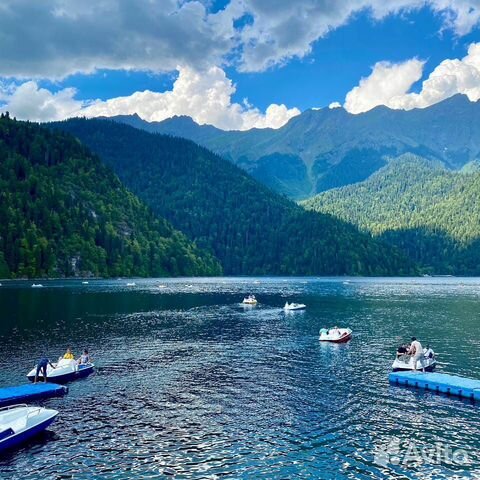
<point>30,102</point>
<point>56,38</point>
<point>206,96</point>
<point>334,105</point>
<point>389,84</point>
<point>387,81</point>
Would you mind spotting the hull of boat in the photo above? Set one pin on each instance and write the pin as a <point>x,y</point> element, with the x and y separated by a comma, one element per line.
<point>21,437</point>
<point>407,368</point>
<point>66,377</point>
<point>343,339</point>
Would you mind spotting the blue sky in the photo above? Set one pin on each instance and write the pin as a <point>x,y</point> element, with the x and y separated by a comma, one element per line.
<point>248,49</point>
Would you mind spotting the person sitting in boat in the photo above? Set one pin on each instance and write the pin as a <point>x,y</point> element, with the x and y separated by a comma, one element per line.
<point>416,351</point>
<point>428,352</point>
<point>42,367</point>
<point>69,354</point>
<point>402,350</point>
<point>84,358</point>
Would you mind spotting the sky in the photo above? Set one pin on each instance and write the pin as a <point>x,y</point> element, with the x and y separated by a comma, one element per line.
<point>235,64</point>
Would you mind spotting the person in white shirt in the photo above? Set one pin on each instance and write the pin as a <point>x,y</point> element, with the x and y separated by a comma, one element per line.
<point>428,352</point>
<point>416,351</point>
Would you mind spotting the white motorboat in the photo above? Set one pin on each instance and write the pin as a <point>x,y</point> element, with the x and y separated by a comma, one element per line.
<point>335,335</point>
<point>404,362</point>
<point>131,284</point>
<point>294,306</point>
<point>37,285</point>
<point>250,300</point>
<point>18,423</point>
<point>64,371</point>
<point>84,282</point>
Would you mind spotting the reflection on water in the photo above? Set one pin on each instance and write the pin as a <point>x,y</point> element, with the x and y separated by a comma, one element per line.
<point>192,384</point>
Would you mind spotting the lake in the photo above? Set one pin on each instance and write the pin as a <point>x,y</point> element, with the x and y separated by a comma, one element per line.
<point>191,384</point>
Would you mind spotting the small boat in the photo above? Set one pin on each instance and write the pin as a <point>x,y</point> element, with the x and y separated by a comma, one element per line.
<point>64,371</point>
<point>37,285</point>
<point>131,284</point>
<point>250,300</point>
<point>84,282</point>
<point>335,335</point>
<point>294,306</point>
<point>404,362</point>
<point>19,423</point>
<point>162,286</point>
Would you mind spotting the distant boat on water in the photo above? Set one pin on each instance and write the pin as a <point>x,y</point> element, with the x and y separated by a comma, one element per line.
<point>294,306</point>
<point>37,285</point>
<point>250,300</point>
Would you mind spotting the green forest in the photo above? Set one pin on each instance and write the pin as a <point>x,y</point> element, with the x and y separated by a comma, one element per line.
<point>429,212</point>
<point>250,229</point>
<point>64,213</point>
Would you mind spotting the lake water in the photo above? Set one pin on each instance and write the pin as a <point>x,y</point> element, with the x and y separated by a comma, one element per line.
<point>191,384</point>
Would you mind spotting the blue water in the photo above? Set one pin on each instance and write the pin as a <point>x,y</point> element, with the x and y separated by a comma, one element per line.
<point>191,384</point>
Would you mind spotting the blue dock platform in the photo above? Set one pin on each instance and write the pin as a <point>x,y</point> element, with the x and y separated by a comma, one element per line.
<point>29,392</point>
<point>439,382</point>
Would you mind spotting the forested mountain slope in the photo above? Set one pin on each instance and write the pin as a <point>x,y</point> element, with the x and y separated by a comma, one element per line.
<point>64,213</point>
<point>428,211</point>
<point>249,228</point>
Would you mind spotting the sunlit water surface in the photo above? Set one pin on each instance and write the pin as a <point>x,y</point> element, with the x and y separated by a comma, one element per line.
<point>191,384</point>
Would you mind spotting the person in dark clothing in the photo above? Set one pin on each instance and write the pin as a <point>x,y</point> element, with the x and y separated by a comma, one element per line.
<point>402,350</point>
<point>42,367</point>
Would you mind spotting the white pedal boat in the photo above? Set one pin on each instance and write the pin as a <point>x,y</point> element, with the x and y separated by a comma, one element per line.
<point>64,371</point>
<point>405,362</point>
<point>335,335</point>
<point>19,423</point>
<point>250,300</point>
<point>294,306</point>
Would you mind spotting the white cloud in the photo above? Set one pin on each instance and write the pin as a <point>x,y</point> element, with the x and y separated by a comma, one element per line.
<point>389,84</point>
<point>56,38</point>
<point>206,96</point>
<point>334,105</point>
<point>387,81</point>
<point>30,102</point>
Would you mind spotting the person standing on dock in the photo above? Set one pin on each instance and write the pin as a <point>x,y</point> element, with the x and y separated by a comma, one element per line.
<point>42,366</point>
<point>416,350</point>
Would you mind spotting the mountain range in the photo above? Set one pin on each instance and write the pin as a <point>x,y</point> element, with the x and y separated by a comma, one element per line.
<point>328,148</point>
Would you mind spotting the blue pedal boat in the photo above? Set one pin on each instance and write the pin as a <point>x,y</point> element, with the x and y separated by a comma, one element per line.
<point>19,423</point>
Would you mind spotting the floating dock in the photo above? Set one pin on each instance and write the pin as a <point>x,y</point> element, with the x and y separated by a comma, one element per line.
<point>439,382</point>
<point>29,392</point>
